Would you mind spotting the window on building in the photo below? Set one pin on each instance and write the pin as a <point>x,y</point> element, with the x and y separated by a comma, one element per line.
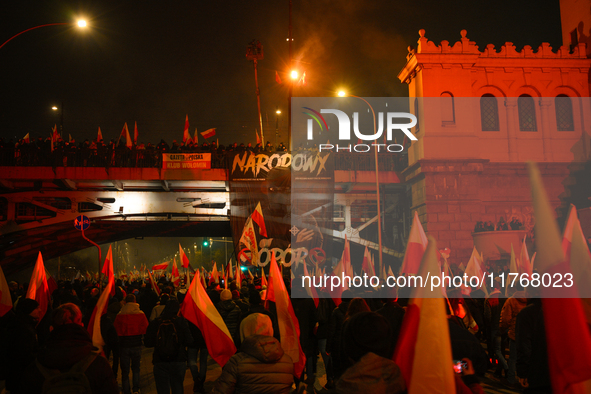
<point>489,113</point>
<point>448,115</point>
<point>564,113</point>
<point>527,113</point>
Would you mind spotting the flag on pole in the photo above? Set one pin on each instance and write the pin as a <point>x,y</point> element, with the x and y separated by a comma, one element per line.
<point>186,135</point>
<point>258,138</point>
<point>99,135</point>
<point>135,134</point>
<point>474,268</point>
<point>289,327</point>
<point>238,276</point>
<point>277,79</point>
<point>161,267</point>
<point>199,310</point>
<point>94,326</point>
<point>417,243</point>
<point>214,273</point>
<point>183,257</point>
<point>5,298</point>
<point>208,133</point>
<point>524,262</point>
<point>38,289</point>
<point>195,139</point>
<point>425,332</point>
<point>153,284</point>
<point>176,278</point>
<point>567,333</point>
<point>26,138</point>
<point>230,271</point>
<point>249,240</point>
<point>257,217</point>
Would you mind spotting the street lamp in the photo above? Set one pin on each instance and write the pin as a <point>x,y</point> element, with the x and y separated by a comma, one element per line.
<point>54,108</point>
<point>277,112</point>
<point>342,93</point>
<point>80,23</point>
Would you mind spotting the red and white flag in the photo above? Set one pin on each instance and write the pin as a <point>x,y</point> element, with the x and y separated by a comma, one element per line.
<point>38,289</point>
<point>183,257</point>
<point>257,217</point>
<point>524,262</point>
<point>5,298</point>
<point>176,278</point>
<point>567,333</point>
<point>215,275</point>
<point>135,134</point>
<point>186,135</point>
<point>153,284</point>
<point>99,135</point>
<point>208,133</point>
<point>26,138</point>
<point>230,270</point>
<point>125,134</point>
<point>417,243</point>
<point>258,138</point>
<point>195,139</point>
<point>238,276</point>
<point>289,327</point>
<point>161,267</point>
<point>367,265</point>
<point>199,310</point>
<point>94,326</point>
<point>249,240</point>
<point>425,332</point>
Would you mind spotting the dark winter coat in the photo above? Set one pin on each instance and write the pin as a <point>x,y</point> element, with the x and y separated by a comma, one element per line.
<point>259,367</point>
<point>65,346</point>
<point>184,337</point>
<point>394,314</point>
<point>230,313</point>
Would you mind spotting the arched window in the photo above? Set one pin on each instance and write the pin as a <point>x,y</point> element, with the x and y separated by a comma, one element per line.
<point>527,113</point>
<point>489,113</point>
<point>447,108</point>
<point>564,113</point>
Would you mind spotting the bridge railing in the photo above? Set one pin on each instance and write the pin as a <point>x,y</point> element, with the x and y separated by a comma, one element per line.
<point>144,158</point>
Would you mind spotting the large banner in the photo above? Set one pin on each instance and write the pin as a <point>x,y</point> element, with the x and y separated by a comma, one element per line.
<point>186,161</point>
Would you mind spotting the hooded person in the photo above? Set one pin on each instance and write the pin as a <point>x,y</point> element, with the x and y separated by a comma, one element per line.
<point>367,341</point>
<point>67,345</point>
<point>260,366</point>
<point>230,313</point>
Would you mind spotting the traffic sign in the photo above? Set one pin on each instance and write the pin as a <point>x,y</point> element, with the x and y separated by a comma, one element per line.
<point>82,223</point>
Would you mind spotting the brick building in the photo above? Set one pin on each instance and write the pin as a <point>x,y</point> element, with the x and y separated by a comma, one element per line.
<point>482,115</point>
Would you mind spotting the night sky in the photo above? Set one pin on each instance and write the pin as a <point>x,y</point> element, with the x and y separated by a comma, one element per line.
<point>154,62</point>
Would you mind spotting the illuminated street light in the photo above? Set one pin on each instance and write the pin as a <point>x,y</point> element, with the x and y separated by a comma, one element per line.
<point>278,112</point>
<point>342,93</point>
<point>80,23</point>
<point>54,108</point>
<point>294,74</point>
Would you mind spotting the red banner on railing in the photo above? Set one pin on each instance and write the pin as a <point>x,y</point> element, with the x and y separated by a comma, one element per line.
<point>186,161</point>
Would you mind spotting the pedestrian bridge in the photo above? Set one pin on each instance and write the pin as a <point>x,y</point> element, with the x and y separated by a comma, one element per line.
<point>38,206</point>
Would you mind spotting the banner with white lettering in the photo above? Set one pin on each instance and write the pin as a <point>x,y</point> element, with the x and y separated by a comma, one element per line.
<point>186,161</point>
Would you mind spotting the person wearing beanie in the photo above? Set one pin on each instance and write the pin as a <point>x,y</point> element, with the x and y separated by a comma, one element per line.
<point>367,340</point>
<point>260,366</point>
<point>19,344</point>
<point>230,313</point>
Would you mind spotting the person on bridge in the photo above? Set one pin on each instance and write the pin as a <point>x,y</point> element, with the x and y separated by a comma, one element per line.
<point>67,345</point>
<point>131,325</point>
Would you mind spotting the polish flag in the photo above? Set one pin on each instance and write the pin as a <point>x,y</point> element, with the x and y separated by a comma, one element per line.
<point>5,298</point>
<point>94,326</point>
<point>176,278</point>
<point>425,332</point>
<point>258,138</point>
<point>183,257</point>
<point>257,217</point>
<point>38,289</point>
<point>161,267</point>
<point>99,135</point>
<point>417,243</point>
<point>578,256</point>
<point>238,276</point>
<point>199,310</point>
<point>230,270</point>
<point>214,273</point>
<point>311,290</point>
<point>153,284</point>
<point>51,283</point>
<point>367,265</point>
<point>249,239</point>
<point>135,134</point>
<point>263,278</point>
<point>524,262</point>
<point>208,133</point>
<point>186,135</point>
<point>572,225</point>
<point>26,138</point>
<point>567,333</point>
<point>289,327</point>
<point>474,268</point>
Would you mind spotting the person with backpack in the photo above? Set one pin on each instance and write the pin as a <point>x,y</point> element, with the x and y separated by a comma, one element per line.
<point>169,335</point>
<point>68,362</point>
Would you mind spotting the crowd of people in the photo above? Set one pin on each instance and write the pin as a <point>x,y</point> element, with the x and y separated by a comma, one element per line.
<point>355,340</point>
<point>502,225</point>
<point>42,152</point>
